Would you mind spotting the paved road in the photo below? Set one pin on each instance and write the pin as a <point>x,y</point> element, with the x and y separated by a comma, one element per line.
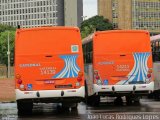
<point>146,110</point>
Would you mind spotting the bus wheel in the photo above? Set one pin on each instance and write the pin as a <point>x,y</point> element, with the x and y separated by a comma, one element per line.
<point>137,100</point>
<point>74,106</point>
<point>67,106</point>
<point>24,108</point>
<point>118,101</point>
<point>94,100</point>
<point>128,100</point>
<point>86,93</point>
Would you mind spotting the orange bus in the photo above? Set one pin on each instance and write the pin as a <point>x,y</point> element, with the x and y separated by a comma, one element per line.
<point>118,63</point>
<point>48,66</point>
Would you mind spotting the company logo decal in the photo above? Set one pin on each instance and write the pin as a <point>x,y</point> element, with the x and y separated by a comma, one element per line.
<point>74,48</point>
<point>71,68</point>
<point>139,71</point>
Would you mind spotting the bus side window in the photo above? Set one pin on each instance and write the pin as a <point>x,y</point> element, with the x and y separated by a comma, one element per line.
<point>87,51</point>
<point>158,46</point>
<point>84,53</point>
<point>156,50</point>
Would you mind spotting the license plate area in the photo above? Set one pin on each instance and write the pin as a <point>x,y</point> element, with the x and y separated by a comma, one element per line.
<point>63,86</point>
<point>49,81</point>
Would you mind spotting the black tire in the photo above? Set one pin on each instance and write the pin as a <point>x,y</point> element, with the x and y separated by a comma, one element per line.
<point>93,100</point>
<point>67,106</point>
<point>129,100</point>
<point>86,92</point>
<point>118,101</point>
<point>97,101</point>
<point>75,106</point>
<point>24,108</point>
<point>137,100</point>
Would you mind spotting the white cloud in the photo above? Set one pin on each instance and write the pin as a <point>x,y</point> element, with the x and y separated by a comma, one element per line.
<point>89,8</point>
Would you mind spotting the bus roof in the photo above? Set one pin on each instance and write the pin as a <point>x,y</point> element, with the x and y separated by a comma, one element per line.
<point>155,37</point>
<point>46,40</point>
<point>90,37</point>
<point>121,31</point>
<point>47,28</point>
<point>116,41</point>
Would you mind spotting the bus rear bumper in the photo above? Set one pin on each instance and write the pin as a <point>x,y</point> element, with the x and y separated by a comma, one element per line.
<point>50,94</point>
<point>139,89</point>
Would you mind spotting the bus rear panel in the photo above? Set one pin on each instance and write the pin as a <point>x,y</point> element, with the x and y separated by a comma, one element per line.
<point>49,64</point>
<point>122,62</point>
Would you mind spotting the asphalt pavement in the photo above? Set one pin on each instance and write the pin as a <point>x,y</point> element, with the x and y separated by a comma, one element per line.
<point>146,110</point>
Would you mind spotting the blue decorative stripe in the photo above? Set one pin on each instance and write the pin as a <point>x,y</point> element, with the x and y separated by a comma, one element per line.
<point>139,71</point>
<point>70,69</point>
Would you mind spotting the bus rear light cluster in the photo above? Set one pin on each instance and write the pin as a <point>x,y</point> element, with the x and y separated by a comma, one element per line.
<point>97,77</point>
<point>149,74</point>
<point>19,80</point>
<point>80,75</point>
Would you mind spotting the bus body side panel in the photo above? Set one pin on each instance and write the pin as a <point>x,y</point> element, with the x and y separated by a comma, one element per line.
<point>156,70</point>
<point>89,78</point>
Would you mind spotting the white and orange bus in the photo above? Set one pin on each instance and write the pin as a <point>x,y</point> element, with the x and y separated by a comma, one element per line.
<point>48,66</point>
<point>118,63</point>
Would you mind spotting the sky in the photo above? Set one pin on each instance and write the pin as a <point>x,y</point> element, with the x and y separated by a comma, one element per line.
<point>89,8</point>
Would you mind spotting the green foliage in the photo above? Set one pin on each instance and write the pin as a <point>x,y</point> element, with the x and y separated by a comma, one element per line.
<point>4,29</point>
<point>95,23</point>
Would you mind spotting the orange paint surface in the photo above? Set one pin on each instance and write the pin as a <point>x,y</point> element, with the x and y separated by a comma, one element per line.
<point>48,56</point>
<point>119,54</point>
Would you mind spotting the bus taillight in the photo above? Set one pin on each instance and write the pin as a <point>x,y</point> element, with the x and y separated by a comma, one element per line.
<point>97,77</point>
<point>19,81</point>
<point>148,75</point>
<point>80,74</point>
<point>79,79</point>
<point>18,76</point>
<point>95,72</point>
<point>150,71</point>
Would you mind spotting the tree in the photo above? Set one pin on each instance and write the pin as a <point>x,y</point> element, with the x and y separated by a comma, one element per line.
<point>96,23</point>
<point>6,27</point>
<point>4,47</point>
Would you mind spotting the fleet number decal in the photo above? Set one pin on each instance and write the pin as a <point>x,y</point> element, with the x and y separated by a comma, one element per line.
<point>48,70</point>
<point>122,68</point>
